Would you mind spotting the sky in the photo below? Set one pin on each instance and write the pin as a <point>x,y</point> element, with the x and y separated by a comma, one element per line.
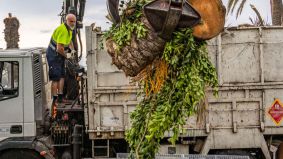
<point>38,18</point>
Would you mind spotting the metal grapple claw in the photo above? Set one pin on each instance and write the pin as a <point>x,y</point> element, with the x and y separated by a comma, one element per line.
<point>167,15</point>
<point>163,15</point>
<point>113,10</point>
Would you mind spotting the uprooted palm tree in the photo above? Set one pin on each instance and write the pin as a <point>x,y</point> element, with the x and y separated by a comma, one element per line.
<point>134,44</point>
<point>276,9</point>
<point>11,32</point>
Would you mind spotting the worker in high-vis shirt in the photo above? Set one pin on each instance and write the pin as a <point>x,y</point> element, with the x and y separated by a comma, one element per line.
<point>60,42</point>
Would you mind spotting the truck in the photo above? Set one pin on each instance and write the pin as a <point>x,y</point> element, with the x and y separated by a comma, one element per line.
<point>245,118</point>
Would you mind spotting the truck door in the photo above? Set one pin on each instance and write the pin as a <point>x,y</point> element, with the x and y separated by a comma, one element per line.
<point>11,98</point>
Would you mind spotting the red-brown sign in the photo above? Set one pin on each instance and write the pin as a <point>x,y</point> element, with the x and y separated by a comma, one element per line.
<point>276,112</point>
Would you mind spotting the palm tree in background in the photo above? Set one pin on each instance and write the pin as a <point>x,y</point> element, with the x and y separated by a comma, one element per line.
<point>276,9</point>
<point>11,32</point>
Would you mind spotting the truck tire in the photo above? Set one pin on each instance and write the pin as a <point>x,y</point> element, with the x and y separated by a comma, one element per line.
<point>20,154</point>
<point>66,155</point>
<point>236,153</point>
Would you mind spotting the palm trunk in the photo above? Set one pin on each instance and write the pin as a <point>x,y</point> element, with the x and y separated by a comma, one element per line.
<point>276,9</point>
<point>11,32</point>
<point>135,57</point>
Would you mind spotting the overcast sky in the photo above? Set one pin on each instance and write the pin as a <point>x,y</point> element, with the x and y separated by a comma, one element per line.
<point>39,18</point>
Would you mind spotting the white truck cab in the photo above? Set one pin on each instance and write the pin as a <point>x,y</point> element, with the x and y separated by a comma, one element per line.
<point>23,100</point>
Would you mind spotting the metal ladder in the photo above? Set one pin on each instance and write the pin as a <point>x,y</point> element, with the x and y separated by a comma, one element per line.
<point>101,148</point>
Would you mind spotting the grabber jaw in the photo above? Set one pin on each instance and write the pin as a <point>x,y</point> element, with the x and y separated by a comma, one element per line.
<point>113,10</point>
<point>167,15</point>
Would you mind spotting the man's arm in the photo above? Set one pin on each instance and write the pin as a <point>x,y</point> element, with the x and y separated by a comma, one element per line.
<point>60,49</point>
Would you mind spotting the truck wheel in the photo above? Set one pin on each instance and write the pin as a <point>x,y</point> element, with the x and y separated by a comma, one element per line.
<point>236,153</point>
<point>20,154</point>
<point>66,155</point>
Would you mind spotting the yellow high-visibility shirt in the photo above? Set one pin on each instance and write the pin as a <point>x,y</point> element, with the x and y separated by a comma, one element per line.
<point>61,35</point>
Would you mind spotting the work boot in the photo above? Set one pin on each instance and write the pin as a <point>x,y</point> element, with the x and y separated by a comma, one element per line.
<point>62,101</point>
<point>60,98</point>
<point>54,98</point>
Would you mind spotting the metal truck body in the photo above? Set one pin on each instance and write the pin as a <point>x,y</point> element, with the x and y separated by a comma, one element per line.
<point>248,63</point>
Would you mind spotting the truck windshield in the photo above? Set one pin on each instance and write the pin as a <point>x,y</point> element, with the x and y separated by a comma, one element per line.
<point>9,79</point>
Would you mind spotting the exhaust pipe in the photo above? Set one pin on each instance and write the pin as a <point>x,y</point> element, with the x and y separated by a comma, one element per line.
<point>77,141</point>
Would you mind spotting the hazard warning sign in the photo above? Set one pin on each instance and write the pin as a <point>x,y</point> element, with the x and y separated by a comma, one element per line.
<point>276,112</point>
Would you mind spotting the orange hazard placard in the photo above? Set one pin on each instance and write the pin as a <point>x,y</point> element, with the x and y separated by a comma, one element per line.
<point>276,112</point>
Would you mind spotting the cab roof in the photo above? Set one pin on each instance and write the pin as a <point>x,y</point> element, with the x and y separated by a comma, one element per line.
<point>21,52</point>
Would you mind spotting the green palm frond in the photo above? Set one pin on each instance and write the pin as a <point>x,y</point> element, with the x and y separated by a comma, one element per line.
<point>259,20</point>
<point>231,5</point>
<point>240,4</point>
<point>252,21</point>
<point>240,9</point>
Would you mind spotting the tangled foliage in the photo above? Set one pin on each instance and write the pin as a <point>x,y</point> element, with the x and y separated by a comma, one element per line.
<point>130,24</point>
<point>153,76</point>
<point>190,72</point>
<point>173,85</point>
